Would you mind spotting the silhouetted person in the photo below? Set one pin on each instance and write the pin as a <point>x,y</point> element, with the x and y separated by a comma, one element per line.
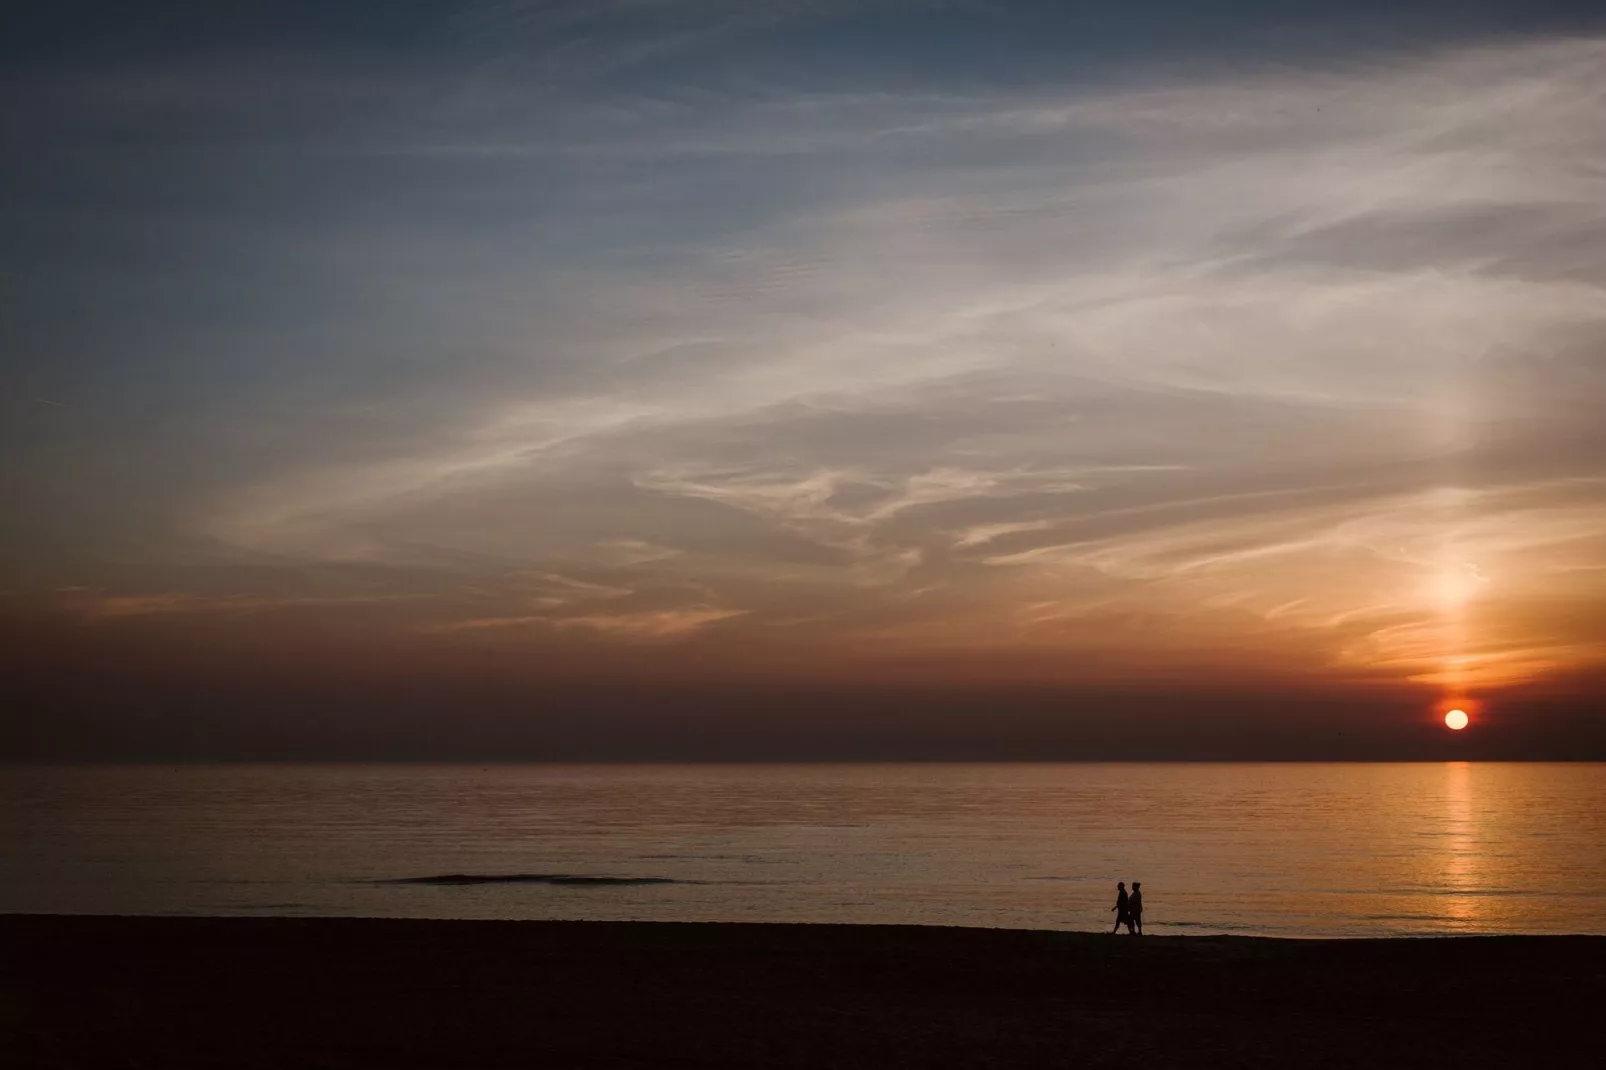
<point>1122,908</point>
<point>1134,908</point>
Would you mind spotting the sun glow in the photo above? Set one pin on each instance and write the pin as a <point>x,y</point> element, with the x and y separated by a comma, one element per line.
<point>1456,720</point>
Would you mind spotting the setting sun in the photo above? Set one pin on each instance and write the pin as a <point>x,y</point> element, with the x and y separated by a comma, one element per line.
<point>1456,719</point>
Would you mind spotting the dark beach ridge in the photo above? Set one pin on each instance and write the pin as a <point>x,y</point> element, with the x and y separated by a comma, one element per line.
<point>346,993</point>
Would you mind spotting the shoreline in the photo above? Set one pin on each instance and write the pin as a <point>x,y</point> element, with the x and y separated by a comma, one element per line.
<point>1165,932</point>
<point>346,993</point>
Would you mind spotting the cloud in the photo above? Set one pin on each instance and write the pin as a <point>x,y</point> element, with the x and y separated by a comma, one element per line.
<point>1258,357</point>
<point>652,625</point>
<point>1410,582</point>
<point>100,606</point>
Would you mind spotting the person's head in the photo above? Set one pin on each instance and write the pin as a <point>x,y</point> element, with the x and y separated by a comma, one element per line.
<point>1121,885</point>
<point>1136,885</point>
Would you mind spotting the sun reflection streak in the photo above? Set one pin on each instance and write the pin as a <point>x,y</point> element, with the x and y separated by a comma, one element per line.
<point>1463,870</point>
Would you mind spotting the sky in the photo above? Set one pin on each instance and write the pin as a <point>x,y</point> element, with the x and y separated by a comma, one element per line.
<point>768,378</point>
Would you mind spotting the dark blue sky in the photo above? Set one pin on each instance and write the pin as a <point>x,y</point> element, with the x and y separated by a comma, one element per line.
<point>104,30</point>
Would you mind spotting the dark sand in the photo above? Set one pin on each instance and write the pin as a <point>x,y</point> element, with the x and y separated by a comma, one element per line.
<point>248,993</point>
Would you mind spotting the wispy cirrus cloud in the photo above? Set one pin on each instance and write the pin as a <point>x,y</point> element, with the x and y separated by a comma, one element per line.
<point>1261,355</point>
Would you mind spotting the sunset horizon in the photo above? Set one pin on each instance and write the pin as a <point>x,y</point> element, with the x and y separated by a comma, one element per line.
<point>838,534</point>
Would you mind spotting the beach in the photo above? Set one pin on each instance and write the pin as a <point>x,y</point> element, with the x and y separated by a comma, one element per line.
<point>346,993</point>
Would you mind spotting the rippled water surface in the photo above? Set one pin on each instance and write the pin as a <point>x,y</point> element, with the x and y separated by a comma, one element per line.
<point>1280,849</point>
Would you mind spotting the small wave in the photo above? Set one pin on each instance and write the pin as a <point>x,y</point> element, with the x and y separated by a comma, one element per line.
<point>754,860</point>
<point>269,906</point>
<point>564,879</point>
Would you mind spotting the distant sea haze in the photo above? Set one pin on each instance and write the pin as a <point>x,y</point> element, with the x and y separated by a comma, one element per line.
<point>1272,849</point>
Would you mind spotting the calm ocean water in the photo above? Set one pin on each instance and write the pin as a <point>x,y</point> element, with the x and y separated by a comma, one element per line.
<point>1277,849</point>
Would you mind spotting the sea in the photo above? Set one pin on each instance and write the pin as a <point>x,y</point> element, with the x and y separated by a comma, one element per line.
<point>1277,849</point>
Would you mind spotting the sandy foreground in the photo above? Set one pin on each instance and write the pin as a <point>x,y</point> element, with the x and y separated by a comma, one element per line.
<point>345,993</point>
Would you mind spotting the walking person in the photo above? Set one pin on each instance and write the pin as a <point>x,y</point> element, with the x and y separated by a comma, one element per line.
<point>1122,908</point>
<point>1134,908</point>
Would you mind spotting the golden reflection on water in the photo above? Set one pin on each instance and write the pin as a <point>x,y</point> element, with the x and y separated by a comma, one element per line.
<point>1463,868</point>
<point>1347,849</point>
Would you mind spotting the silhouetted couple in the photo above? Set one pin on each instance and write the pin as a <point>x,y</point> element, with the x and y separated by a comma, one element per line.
<point>1128,908</point>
